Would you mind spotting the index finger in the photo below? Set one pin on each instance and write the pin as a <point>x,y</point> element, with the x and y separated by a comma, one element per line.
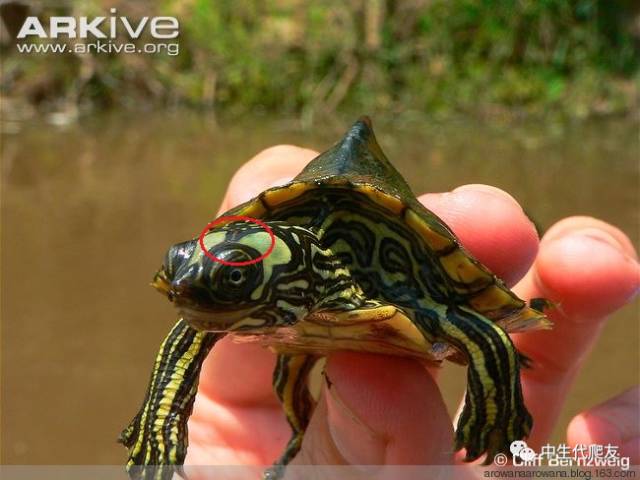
<point>589,269</point>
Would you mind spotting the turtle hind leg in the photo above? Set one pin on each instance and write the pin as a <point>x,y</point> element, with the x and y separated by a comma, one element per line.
<point>290,382</point>
<point>156,438</point>
<point>494,414</point>
<point>486,426</point>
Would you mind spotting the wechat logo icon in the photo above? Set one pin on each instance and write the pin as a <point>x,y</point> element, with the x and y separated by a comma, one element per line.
<point>520,449</point>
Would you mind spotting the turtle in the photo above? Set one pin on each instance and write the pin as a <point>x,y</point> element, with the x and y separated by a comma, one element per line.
<point>343,257</point>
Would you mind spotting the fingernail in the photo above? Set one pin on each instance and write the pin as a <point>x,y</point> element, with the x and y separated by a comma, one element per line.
<point>481,187</point>
<point>357,443</point>
<point>605,428</point>
<point>613,422</point>
<point>279,182</point>
<point>605,238</point>
<point>601,236</point>
<point>241,195</point>
<point>610,431</point>
<point>253,190</point>
<point>573,224</point>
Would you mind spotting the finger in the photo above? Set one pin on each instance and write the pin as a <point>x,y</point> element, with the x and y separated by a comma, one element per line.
<point>273,166</point>
<point>615,422</point>
<point>226,433</point>
<point>378,410</point>
<point>241,374</point>
<point>589,272</point>
<point>593,225</point>
<point>491,225</point>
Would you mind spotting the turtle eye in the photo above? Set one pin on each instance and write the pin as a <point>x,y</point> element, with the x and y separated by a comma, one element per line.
<point>230,284</point>
<point>236,276</point>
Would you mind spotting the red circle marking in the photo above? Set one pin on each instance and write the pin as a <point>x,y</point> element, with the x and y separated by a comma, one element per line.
<point>235,218</point>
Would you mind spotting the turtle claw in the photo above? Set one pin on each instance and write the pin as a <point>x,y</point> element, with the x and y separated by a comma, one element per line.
<point>491,439</point>
<point>275,472</point>
<point>147,462</point>
<point>155,472</point>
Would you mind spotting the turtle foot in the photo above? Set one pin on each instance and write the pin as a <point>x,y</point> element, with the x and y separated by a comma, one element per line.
<point>148,462</point>
<point>154,472</point>
<point>478,439</point>
<point>275,472</point>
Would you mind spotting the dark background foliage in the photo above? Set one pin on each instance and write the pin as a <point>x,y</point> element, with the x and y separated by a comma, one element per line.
<point>575,58</point>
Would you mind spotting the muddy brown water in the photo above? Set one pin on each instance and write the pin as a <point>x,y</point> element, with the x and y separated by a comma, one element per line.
<point>89,209</point>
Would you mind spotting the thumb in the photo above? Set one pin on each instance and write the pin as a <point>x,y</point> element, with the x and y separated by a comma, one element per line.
<point>377,410</point>
<point>615,422</point>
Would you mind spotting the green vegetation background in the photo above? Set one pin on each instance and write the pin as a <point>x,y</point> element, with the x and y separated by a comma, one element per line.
<point>576,58</point>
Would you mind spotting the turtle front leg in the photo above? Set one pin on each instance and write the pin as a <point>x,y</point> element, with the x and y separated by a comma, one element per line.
<point>290,382</point>
<point>157,437</point>
<point>494,414</point>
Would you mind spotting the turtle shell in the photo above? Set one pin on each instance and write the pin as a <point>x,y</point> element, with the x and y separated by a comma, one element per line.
<point>356,163</point>
<point>419,292</point>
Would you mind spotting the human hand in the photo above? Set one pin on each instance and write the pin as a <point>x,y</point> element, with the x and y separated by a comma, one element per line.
<point>388,410</point>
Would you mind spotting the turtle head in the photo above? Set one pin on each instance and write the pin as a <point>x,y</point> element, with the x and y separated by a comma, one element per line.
<point>249,279</point>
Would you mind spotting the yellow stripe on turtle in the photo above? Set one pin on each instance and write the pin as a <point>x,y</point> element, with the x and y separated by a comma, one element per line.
<point>373,311</point>
<point>435,240</point>
<point>253,209</point>
<point>495,299</point>
<point>461,268</point>
<point>388,202</point>
<point>280,195</point>
<point>295,365</point>
<point>525,320</point>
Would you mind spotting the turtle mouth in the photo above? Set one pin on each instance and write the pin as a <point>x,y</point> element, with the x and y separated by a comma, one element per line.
<point>196,310</point>
<point>211,320</point>
<point>162,283</point>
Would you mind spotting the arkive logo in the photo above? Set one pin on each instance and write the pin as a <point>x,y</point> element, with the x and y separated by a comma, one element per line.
<point>161,28</point>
